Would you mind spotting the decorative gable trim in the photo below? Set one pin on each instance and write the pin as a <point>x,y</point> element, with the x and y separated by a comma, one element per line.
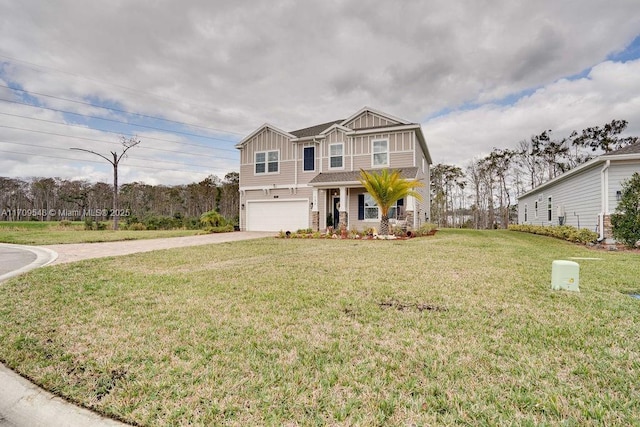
<point>286,134</point>
<point>385,116</point>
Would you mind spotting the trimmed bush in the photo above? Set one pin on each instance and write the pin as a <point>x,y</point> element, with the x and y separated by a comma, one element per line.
<point>564,232</point>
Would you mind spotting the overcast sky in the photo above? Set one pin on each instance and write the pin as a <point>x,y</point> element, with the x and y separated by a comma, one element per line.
<point>476,75</point>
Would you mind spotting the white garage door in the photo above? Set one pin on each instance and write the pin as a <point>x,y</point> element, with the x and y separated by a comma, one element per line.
<point>277,215</point>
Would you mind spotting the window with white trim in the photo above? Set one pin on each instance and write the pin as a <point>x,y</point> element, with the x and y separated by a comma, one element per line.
<point>336,153</point>
<point>267,162</point>
<point>380,152</point>
<point>372,211</point>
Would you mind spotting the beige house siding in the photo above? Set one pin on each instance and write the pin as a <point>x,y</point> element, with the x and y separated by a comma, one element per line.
<point>291,181</point>
<point>368,120</point>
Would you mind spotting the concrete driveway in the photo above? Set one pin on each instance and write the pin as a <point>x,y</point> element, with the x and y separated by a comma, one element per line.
<point>25,404</point>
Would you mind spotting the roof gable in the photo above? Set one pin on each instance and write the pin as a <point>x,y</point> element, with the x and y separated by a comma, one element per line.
<point>265,126</point>
<point>367,117</point>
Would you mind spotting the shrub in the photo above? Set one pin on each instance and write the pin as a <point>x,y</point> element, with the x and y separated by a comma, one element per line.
<point>213,219</point>
<point>221,229</point>
<point>564,232</point>
<point>425,229</point>
<point>626,220</point>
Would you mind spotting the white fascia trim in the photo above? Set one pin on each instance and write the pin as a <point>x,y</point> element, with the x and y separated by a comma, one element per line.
<point>273,187</point>
<point>335,126</point>
<point>336,184</point>
<point>412,126</point>
<point>374,111</point>
<point>240,144</point>
<point>309,138</point>
<point>591,163</point>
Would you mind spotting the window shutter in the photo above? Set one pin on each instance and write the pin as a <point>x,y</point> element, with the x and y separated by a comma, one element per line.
<point>360,207</point>
<point>309,158</point>
<point>400,202</point>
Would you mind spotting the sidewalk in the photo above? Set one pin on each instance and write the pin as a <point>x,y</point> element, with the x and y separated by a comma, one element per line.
<point>25,404</point>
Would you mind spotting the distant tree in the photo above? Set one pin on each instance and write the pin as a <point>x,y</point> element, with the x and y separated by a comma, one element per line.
<point>603,138</point>
<point>127,144</point>
<point>386,188</point>
<point>626,220</point>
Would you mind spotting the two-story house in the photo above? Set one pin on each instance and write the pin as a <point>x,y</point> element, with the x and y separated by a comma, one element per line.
<point>309,178</point>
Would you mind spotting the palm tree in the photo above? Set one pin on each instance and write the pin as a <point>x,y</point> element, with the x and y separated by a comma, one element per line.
<point>386,188</point>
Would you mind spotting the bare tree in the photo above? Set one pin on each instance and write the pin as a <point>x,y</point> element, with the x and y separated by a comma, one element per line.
<point>126,144</point>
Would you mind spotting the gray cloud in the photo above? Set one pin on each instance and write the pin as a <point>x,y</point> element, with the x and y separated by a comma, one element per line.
<point>235,65</point>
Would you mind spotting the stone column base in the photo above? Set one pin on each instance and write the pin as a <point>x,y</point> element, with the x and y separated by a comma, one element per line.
<point>409,220</point>
<point>343,220</point>
<point>315,220</point>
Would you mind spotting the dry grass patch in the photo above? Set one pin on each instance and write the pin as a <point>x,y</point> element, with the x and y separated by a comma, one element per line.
<point>460,328</point>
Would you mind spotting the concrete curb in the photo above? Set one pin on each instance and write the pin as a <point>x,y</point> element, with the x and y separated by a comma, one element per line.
<point>26,404</point>
<point>23,403</point>
<point>44,256</point>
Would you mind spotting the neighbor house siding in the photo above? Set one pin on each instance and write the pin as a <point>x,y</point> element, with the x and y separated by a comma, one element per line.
<point>578,196</point>
<point>618,173</point>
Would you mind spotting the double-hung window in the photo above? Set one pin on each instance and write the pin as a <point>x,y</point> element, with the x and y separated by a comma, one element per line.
<point>336,156</point>
<point>380,152</point>
<point>372,211</point>
<point>267,162</point>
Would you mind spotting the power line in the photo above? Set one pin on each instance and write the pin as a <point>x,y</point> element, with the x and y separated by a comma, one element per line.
<point>130,157</point>
<point>118,110</point>
<point>112,142</point>
<point>115,121</point>
<point>31,64</point>
<point>113,132</point>
<point>91,161</point>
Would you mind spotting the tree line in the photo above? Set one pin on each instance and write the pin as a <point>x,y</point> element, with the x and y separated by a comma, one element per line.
<point>483,195</point>
<point>55,199</point>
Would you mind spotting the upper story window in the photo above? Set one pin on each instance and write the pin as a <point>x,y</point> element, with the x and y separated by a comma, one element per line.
<point>336,156</point>
<point>309,158</point>
<point>267,162</point>
<point>380,153</point>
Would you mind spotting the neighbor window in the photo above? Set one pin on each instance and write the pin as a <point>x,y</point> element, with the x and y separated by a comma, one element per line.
<point>335,156</point>
<point>380,152</point>
<point>549,209</point>
<point>535,209</point>
<point>525,212</point>
<point>267,162</point>
<point>309,158</point>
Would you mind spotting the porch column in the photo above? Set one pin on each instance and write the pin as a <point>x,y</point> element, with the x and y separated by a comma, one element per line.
<point>409,216</point>
<point>315,211</point>
<point>343,220</point>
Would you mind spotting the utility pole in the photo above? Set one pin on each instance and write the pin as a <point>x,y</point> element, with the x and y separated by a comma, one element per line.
<point>127,144</point>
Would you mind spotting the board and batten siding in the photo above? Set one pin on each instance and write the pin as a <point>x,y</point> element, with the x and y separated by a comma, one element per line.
<point>579,197</point>
<point>267,140</point>
<point>369,120</point>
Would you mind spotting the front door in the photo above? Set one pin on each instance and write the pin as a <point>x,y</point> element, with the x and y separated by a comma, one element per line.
<point>336,213</point>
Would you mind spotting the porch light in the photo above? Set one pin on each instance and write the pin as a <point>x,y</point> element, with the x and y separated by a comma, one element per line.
<point>242,206</point>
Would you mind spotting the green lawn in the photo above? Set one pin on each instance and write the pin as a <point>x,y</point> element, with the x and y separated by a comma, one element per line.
<point>459,328</point>
<point>51,233</point>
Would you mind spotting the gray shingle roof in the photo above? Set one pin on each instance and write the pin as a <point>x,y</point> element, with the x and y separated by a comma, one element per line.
<point>314,130</point>
<point>354,176</point>
<point>629,149</point>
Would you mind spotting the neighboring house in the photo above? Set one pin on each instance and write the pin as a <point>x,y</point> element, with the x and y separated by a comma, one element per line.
<point>584,197</point>
<point>308,178</point>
